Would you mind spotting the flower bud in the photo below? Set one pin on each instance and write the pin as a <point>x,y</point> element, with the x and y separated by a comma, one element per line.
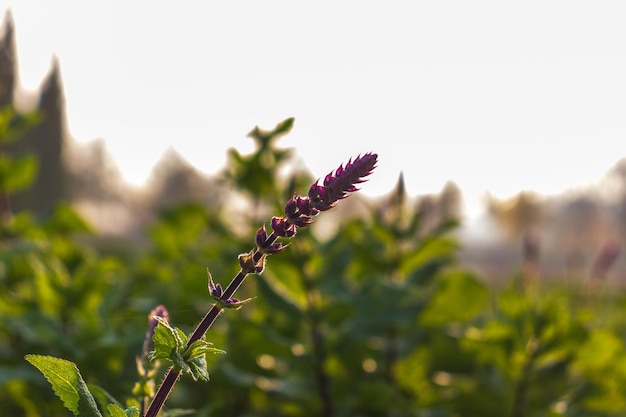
<point>282,228</point>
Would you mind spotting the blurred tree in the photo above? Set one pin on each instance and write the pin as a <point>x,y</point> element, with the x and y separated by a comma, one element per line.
<point>449,203</point>
<point>517,215</point>
<point>46,141</point>
<point>92,174</point>
<point>579,225</point>
<point>7,62</point>
<point>175,181</point>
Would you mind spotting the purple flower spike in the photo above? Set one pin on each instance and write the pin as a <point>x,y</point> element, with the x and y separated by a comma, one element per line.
<point>338,185</point>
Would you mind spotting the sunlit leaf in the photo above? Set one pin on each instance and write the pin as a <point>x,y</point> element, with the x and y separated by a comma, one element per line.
<point>65,219</point>
<point>67,384</point>
<point>430,250</point>
<point>599,351</point>
<point>167,340</point>
<point>17,173</point>
<point>198,368</point>
<point>117,411</point>
<point>200,348</point>
<point>14,124</point>
<point>459,297</point>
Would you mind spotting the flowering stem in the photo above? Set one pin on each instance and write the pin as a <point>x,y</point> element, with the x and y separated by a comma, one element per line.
<point>299,212</point>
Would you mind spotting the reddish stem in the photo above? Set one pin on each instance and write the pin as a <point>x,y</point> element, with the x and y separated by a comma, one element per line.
<point>205,324</point>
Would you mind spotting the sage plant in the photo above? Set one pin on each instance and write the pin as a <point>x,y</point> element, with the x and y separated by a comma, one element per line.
<point>299,212</point>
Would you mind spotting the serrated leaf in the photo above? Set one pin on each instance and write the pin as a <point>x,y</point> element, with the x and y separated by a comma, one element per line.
<point>200,348</point>
<point>198,368</point>
<point>117,411</point>
<point>167,340</point>
<point>180,362</point>
<point>132,412</point>
<point>181,339</point>
<point>67,384</point>
<point>195,363</point>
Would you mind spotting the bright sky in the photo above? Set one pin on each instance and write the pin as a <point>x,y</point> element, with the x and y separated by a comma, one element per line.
<point>496,96</point>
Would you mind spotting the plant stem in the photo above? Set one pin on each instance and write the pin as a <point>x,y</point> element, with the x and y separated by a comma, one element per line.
<point>163,392</point>
<point>205,324</point>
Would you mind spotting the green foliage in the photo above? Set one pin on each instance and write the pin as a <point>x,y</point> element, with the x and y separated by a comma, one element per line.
<point>376,319</point>
<point>458,298</point>
<point>16,171</point>
<point>170,343</point>
<point>255,174</point>
<point>13,124</point>
<point>117,411</point>
<point>67,383</point>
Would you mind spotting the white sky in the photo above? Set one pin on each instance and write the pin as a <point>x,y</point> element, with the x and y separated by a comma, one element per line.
<point>496,96</point>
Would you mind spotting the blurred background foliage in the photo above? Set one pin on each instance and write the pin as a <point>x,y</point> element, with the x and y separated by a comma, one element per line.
<point>379,309</point>
<point>369,314</point>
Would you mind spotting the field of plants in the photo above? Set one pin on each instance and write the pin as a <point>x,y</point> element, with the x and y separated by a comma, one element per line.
<point>378,318</point>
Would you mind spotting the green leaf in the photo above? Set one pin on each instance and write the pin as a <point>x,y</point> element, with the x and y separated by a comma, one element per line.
<point>180,362</point>
<point>200,348</point>
<point>167,341</point>
<point>66,220</point>
<point>198,368</point>
<point>117,411</point>
<point>13,124</point>
<point>265,137</point>
<point>170,343</point>
<point>67,384</point>
<point>599,352</point>
<point>430,250</point>
<point>459,297</point>
<point>196,359</point>
<point>196,363</point>
<point>17,173</point>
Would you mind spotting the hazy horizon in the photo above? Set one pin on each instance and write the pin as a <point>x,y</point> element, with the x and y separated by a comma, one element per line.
<point>497,98</point>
